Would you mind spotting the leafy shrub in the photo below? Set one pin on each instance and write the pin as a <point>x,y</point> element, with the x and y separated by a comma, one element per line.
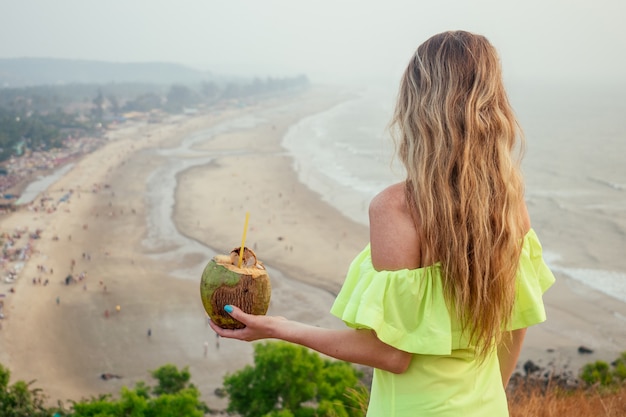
<point>600,372</point>
<point>620,367</point>
<point>597,372</point>
<point>291,381</point>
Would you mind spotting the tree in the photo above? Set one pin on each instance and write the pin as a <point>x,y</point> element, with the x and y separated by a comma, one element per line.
<point>232,91</point>
<point>98,106</point>
<point>210,91</point>
<point>19,400</point>
<point>620,367</point>
<point>171,380</point>
<point>291,381</point>
<point>115,105</point>
<point>144,102</point>
<point>597,372</point>
<point>180,96</point>
<point>101,406</point>
<point>173,396</point>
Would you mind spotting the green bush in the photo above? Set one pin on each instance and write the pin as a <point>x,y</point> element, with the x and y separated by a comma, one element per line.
<point>620,367</point>
<point>597,372</point>
<point>602,373</point>
<point>19,399</point>
<point>291,381</point>
<point>172,396</point>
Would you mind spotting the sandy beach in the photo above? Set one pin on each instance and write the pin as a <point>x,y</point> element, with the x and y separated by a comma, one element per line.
<point>111,230</point>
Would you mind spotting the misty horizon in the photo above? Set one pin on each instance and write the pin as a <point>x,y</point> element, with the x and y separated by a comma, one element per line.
<point>328,41</point>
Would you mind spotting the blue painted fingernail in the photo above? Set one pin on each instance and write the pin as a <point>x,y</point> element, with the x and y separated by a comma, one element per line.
<point>228,308</point>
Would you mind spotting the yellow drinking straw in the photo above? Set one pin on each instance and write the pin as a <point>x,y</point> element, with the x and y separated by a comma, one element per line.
<point>243,239</point>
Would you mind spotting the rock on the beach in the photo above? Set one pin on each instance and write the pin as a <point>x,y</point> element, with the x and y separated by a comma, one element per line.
<point>530,367</point>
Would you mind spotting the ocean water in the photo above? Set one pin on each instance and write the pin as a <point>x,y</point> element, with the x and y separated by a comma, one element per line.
<point>41,184</point>
<point>574,170</point>
<point>345,153</point>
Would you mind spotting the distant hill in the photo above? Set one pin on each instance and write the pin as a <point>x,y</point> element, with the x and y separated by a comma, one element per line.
<point>22,72</point>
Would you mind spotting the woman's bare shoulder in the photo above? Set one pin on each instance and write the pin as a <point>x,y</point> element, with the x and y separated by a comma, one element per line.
<point>392,197</point>
<point>393,235</point>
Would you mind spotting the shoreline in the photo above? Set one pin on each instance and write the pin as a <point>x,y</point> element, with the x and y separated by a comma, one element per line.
<point>24,171</point>
<point>291,228</point>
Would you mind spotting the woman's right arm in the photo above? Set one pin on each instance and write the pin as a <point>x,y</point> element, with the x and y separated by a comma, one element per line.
<point>391,227</point>
<point>351,345</point>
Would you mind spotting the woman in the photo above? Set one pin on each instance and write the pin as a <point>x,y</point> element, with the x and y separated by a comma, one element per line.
<point>439,301</point>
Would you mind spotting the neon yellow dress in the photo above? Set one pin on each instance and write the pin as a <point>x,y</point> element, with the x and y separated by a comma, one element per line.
<point>407,310</point>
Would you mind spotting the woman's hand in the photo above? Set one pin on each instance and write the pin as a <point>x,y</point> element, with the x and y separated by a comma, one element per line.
<point>257,327</point>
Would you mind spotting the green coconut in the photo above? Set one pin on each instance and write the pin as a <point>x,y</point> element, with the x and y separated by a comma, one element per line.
<point>225,282</point>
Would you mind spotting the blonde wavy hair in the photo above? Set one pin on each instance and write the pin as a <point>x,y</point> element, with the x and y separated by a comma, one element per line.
<point>457,136</point>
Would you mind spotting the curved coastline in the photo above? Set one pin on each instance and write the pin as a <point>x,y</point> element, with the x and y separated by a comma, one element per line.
<point>256,174</point>
<point>293,229</point>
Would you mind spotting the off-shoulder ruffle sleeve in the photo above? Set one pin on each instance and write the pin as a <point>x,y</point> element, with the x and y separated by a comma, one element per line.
<point>407,309</point>
<point>533,279</point>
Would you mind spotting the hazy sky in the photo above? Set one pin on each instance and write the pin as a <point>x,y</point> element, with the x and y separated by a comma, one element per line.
<point>326,39</point>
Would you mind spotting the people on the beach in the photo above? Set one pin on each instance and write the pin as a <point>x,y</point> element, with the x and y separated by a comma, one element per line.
<point>439,300</point>
<point>30,164</point>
